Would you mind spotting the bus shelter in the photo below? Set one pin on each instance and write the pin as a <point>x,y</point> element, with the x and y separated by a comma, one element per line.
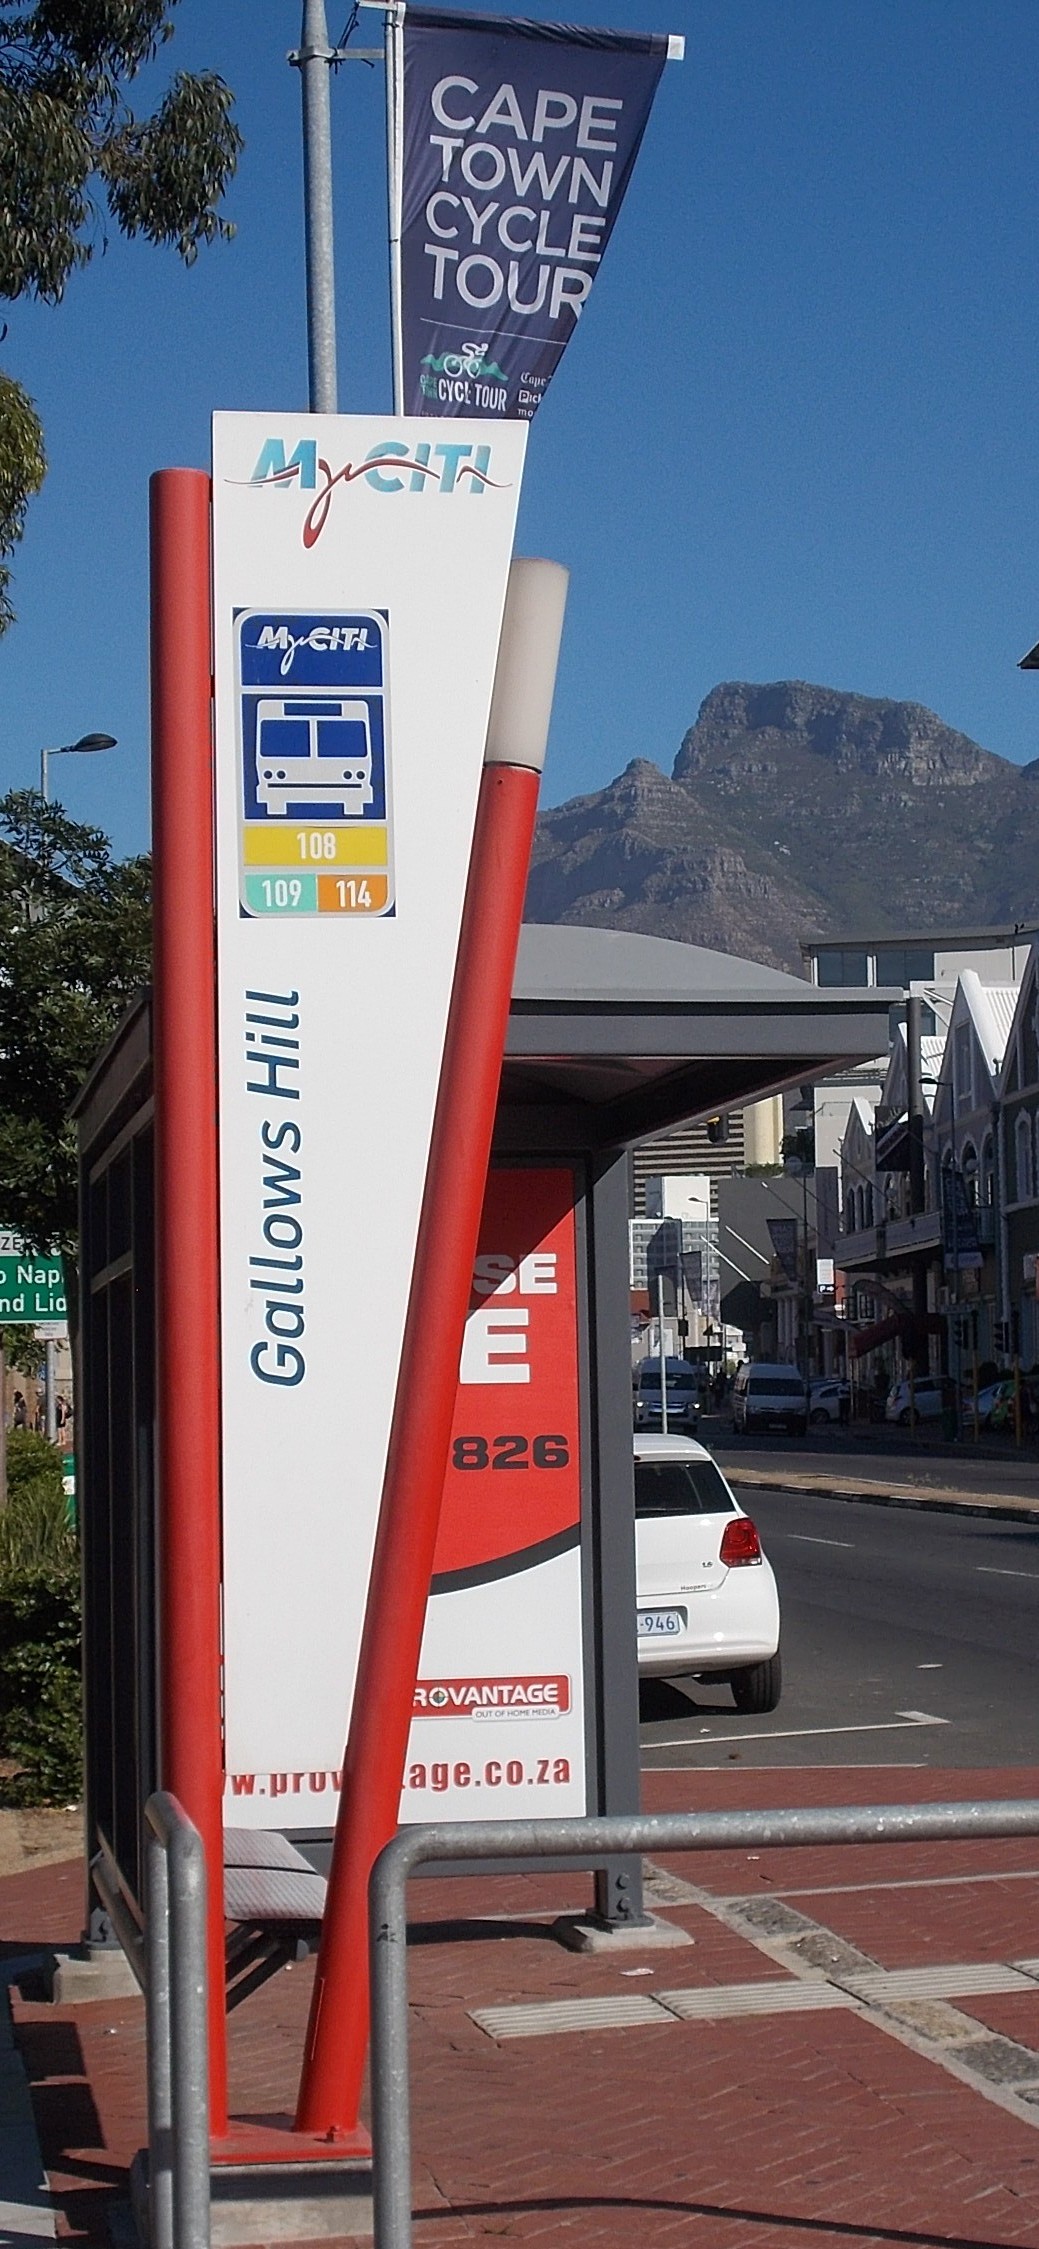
<point>612,1038</point>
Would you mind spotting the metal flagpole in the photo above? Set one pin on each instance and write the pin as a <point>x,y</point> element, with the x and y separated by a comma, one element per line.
<point>395,184</point>
<point>314,61</point>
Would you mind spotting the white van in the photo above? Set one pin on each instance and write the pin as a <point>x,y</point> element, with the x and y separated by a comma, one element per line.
<point>765,1397</point>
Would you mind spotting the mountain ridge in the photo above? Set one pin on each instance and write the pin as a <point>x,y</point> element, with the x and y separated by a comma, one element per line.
<point>794,808</point>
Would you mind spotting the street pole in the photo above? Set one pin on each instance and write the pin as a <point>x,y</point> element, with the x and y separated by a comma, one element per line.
<point>314,60</point>
<point>50,1402</point>
<point>661,1352</point>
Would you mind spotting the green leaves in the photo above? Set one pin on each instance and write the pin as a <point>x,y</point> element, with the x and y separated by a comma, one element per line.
<point>165,177</point>
<point>75,945</point>
<point>64,125</point>
<point>22,470</point>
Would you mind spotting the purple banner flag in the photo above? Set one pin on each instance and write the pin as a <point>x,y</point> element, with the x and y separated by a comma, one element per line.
<point>517,147</point>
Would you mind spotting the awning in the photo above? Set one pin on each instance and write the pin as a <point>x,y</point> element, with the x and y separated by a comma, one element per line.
<point>900,1326</point>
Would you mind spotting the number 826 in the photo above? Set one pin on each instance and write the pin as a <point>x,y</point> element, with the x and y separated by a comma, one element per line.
<point>547,1450</point>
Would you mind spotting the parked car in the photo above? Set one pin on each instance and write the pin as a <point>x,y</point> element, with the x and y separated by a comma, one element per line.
<point>995,1406</point>
<point>683,1394</point>
<point>769,1397</point>
<point>1001,1412</point>
<point>929,1400</point>
<point>708,1607</point>
<point>829,1401</point>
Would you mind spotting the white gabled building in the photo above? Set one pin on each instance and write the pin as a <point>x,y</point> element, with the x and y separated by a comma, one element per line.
<point>883,1239</point>
<point>1017,1163</point>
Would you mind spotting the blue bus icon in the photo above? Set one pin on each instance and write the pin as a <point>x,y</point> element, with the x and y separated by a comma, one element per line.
<point>314,754</point>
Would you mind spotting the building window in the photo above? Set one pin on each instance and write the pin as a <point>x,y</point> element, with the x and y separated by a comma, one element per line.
<point>905,964</point>
<point>988,1173</point>
<point>962,1074</point>
<point>969,1171</point>
<point>843,965</point>
<point>1023,1152</point>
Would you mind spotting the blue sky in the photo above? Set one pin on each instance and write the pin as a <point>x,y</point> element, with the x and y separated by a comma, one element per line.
<point>793,436</point>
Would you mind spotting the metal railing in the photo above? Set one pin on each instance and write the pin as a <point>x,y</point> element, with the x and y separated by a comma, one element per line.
<point>589,1838</point>
<point>178,2041</point>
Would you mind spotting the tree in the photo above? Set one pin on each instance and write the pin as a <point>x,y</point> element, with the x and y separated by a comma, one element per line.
<point>64,126</point>
<point>75,945</point>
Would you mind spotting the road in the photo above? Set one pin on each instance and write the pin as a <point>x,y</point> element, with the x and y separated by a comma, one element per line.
<point>881,1457</point>
<point>908,1639</point>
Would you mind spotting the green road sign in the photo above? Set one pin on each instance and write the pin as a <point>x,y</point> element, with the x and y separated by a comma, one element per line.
<point>31,1289</point>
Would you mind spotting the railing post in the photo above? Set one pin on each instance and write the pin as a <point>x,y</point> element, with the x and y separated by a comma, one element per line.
<point>157,2021</point>
<point>178,2043</point>
<point>189,2040</point>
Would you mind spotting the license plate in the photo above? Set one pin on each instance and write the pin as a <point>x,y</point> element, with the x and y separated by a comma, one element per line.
<point>661,1624</point>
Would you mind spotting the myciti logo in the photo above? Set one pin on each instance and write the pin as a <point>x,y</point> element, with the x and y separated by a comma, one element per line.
<point>391,466</point>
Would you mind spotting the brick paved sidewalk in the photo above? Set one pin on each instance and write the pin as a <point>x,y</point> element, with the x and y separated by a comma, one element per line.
<point>826,2105</point>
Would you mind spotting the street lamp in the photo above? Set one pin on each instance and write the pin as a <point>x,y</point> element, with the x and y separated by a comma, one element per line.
<point>86,744</point>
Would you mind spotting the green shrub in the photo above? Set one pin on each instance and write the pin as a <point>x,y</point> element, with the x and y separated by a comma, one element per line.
<point>35,1531</point>
<point>41,1702</point>
<point>41,1717</point>
<point>31,1459</point>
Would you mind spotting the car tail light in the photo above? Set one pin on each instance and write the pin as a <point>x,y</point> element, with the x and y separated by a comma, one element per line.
<point>740,1542</point>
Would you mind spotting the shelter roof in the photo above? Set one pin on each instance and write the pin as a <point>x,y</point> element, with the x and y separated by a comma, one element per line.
<point>614,1036</point>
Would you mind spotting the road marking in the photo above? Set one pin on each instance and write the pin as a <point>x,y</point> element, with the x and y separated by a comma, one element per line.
<point>861,1988</point>
<point>988,1569</point>
<point>896,1725</point>
<point>909,1882</point>
<point>801,1538</point>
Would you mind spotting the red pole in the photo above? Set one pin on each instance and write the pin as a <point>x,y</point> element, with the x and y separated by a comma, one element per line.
<point>420,1435</point>
<point>187,1241</point>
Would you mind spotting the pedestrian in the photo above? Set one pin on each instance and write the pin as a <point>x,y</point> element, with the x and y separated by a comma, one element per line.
<point>20,1416</point>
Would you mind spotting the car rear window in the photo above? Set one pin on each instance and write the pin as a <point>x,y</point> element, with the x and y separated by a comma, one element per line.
<point>775,1386</point>
<point>680,1487</point>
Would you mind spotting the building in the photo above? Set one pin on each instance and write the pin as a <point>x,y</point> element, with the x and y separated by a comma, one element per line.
<point>952,1284</point>
<point>1017,1171</point>
<point>748,1136</point>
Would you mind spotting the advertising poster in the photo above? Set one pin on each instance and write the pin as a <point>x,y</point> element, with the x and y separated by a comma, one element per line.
<point>360,569</point>
<point>498,1729</point>
<point>519,140</point>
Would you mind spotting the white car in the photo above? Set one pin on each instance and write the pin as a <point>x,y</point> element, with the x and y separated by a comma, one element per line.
<point>826,1400</point>
<point>708,1607</point>
<point>925,1401</point>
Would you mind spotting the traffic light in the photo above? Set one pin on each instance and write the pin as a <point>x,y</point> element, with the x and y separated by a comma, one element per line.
<point>1003,1336</point>
<point>717,1131</point>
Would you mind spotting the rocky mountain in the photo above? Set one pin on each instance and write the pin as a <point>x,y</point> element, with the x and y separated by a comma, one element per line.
<point>790,809</point>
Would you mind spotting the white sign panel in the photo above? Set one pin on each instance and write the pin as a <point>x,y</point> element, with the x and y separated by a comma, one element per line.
<point>359,580</point>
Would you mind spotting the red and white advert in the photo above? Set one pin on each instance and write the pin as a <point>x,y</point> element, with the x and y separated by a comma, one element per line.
<point>499,1715</point>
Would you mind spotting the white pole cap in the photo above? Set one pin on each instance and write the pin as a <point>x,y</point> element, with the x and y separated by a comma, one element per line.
<point>528,653</point>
